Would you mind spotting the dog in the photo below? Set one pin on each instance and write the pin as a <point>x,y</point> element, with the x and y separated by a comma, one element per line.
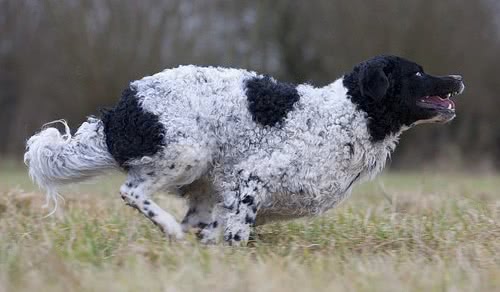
<point>244,149</point>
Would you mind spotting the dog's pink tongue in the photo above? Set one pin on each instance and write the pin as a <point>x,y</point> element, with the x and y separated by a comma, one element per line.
<point>442,102</point>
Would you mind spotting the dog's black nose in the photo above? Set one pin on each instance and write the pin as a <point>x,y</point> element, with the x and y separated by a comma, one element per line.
<point>457,77</point>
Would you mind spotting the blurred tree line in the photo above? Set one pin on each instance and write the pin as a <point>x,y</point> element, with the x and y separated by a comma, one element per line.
<point>66,59</point>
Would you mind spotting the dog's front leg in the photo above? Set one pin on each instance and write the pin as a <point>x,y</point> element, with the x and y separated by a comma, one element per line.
<point>242,204</point>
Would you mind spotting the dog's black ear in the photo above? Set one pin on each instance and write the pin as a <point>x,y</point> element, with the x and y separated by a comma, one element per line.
<point>373,81</point>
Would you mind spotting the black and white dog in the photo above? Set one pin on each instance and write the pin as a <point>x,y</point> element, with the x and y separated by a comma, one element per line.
<point>243,148</point>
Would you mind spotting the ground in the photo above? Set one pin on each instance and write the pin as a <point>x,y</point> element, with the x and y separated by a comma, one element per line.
<point>402,232</point>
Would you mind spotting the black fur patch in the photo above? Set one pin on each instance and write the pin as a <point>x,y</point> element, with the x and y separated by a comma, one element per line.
<point>248,200</point>
<point>130,131</point>
<point>202,225</point>
<point>270,101</point>
<point>250,220</point>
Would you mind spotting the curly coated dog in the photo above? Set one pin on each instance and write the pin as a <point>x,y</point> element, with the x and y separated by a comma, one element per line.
<point>242,148</point>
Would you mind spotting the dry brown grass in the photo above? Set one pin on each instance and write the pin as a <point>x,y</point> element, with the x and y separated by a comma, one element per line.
<point>419,232</point>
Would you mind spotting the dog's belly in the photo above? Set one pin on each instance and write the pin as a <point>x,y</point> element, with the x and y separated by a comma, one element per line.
<point>286,206</point>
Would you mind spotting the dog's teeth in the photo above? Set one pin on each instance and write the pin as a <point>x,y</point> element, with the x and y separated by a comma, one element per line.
<point>448,95</point>
<point>449,107</point>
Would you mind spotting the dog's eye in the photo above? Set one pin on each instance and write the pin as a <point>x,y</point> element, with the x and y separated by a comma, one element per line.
<point>418,74</point>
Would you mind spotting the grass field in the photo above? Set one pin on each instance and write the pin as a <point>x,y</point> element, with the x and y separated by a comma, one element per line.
<point>403,232</point>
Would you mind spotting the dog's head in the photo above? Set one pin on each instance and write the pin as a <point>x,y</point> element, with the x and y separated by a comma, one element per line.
<point>397,93</point>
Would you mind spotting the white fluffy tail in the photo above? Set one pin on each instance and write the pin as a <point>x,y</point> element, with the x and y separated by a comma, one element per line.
<point>55,159</point>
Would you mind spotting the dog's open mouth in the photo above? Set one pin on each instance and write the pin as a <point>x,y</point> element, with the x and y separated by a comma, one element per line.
<point>437,102</point>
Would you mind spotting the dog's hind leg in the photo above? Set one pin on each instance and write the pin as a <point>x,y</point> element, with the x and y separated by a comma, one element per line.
<point>181,164</point>
<point>202,199</point>
<point>136,193</point>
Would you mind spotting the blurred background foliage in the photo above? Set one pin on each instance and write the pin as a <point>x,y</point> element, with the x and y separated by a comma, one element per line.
<point>67,59</point>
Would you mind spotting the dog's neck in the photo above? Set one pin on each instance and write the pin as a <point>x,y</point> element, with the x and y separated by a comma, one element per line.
<point>375,151</point>
<point>384,119</point>
<point>382,126</point>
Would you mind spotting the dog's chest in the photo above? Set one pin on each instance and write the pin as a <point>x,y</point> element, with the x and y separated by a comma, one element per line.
<point>324,185</point>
